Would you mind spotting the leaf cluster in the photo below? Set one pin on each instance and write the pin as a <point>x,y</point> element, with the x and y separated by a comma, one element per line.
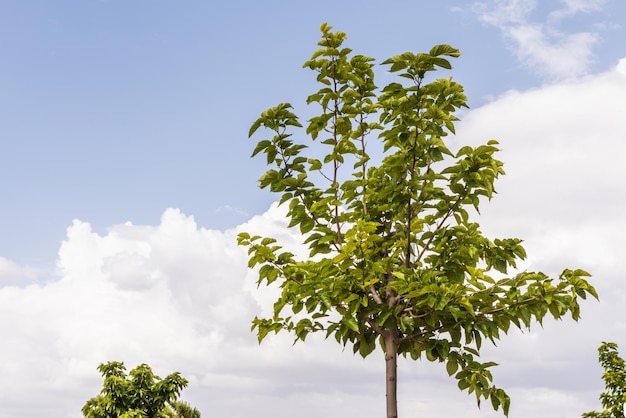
<point>614,376</point>
<point>140,394</point>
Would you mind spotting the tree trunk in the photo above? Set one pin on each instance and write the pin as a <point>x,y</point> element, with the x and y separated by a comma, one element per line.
<point>391,373</point>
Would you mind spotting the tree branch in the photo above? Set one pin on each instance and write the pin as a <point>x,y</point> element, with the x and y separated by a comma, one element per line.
<point>373,325</point>
<point>376,295</point>
<point>439,226</point>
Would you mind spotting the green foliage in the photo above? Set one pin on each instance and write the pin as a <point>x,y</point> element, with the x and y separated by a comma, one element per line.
<point>395,258</point>
<point>179,409</point>
<point>140,394</point>
<point>614,377</point>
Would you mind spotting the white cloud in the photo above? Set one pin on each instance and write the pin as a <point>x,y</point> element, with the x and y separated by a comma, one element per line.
<point>233,210</point>
<point>572,7</point>
<point>542,45</point>
<point>181,298</point>
<point>505,12</point>
<point>11,273</point>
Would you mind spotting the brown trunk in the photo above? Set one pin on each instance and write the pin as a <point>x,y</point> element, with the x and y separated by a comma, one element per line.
<point>391,374</point>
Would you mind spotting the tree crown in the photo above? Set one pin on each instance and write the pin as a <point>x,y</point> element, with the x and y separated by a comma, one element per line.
<point>394,253</point>
<point>140,394</point>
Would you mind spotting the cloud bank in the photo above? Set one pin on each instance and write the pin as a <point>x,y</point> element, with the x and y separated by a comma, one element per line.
<point>180,297</point>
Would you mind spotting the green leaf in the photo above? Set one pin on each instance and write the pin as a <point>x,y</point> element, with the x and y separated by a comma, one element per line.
<point>451,367</point>
<point>351,323</point>
<point>446,50</point>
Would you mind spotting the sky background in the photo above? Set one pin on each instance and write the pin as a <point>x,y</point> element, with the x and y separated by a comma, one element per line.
<point>125,176</point>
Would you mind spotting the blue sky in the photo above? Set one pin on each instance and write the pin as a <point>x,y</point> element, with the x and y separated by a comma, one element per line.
<point>137,112</point>
<point>114,111</point>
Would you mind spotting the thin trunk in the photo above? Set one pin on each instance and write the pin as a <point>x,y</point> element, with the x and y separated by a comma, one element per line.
<point>391,373</point>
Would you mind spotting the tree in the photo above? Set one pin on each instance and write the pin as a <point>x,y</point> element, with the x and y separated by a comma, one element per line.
<point>614,377</point>
<point>394,257</point>
<point>140,394</point>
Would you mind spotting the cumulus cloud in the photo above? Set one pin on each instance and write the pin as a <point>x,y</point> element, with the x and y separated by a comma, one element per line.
<point>175,296</point>
<point>180,297</point>
<point>545,46</point>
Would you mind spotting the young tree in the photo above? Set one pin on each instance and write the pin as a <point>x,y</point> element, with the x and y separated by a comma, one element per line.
<point>394,255</point>
<point>141,394</point>
<point>614,377</point>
